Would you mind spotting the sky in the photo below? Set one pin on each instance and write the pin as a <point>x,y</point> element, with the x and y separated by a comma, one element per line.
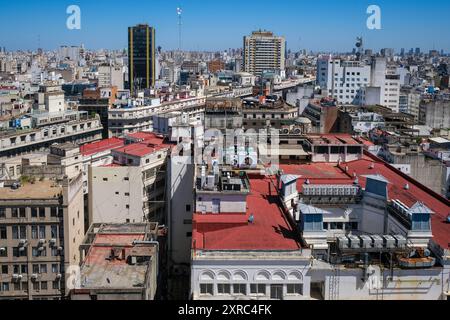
<point>212,25</point>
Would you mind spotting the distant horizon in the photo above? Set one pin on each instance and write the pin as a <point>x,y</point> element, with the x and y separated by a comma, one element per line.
<point>324,26</point>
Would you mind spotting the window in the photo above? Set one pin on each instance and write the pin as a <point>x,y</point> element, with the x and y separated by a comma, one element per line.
<point>313,222</point>
<point>3,234</point>
<point>55,285</point>
<point>421,222</point>
<point>54,232</point>
<point>206,289</point>
<point>44,285</point>
<point>14,213</point>
<point>43,268</point>
<point>188,208</point>
<point>223,288</point>
<point>4,253</point>
<point>41,212</point>
<point>36,286</point>
<point>295,289</point>
<point>258,289</point>
<point>53,212</point>
<point>54,268</point>
<point>5,286</point>
<point>34,212</point>
<point>23,232</point>
<point>240,289</point>
<point>42,232</point>
<point>2,213</point>
<point>24,268</point>
<point>4,269</point>
<point>34,232</point>
<point>16,286</point>
<point>35,268</point>
<point>22,212</point>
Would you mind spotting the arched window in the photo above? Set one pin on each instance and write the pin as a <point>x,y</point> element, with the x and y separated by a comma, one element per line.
<point>295,276</point>
<point>207,276</point>
<point>240,276</point>
<point>224,276</point>
<point>279,276</point>
<point>262,276</point>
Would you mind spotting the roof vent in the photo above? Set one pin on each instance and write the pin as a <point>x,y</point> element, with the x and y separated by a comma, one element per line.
<point>406,186</point>
<point>372,166</point>
<point>307,182</point>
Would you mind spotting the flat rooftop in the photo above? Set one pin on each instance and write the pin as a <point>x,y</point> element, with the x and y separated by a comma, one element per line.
<point>270,231</point>
<point>101,270</point>
<point>45,189</point>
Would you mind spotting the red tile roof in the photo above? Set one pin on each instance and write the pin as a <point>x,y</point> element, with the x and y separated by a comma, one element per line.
<point>100,146</point>
<point>270,231</point>
<point>328,173</point>
<point>146,143</point>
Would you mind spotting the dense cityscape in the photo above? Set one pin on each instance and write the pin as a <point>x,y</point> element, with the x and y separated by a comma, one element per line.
<point>252,173</point>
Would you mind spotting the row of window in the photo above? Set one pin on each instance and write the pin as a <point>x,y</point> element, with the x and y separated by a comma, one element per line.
<point>23,268</point>
<point>23,286</point>
<point>35,251</point>
<point>34,212</point>
<point>37,232</point>
<point>207,289</point>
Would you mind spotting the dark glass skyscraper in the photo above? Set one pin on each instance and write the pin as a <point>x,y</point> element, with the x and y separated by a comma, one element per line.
<point>141,57</point>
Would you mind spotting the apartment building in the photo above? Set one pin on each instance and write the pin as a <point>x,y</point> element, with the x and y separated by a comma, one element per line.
<point>243,247</point>
<point>41,227</point>
<point>358,83</point>
<point>132,188</point>
<point>264,51</point>
<point>76,127</point>
<point>110,75</point>
<point>348,227</point>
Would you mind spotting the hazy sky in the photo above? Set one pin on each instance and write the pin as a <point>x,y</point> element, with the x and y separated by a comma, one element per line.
<point>319,25</point>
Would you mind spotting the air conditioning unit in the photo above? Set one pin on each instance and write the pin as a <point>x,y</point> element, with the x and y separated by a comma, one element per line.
<point>41,242</point>
<point>377,241</point>
<point>15,277</point>
<point>366,242</point>
<point>389,241</point>
<point>59,276</point>
<point>21,249</point>
<point>2,249</point>
<point>52,242</point>
<point>23,242</point>
<point>296,131</point>
<point>34,276</point>
<point>40,249</point>
<point>400,241</point>
<point>355,242</point>
<point>343,242</point>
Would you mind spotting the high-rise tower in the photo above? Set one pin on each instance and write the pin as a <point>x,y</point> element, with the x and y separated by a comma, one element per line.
<point>141,57</point>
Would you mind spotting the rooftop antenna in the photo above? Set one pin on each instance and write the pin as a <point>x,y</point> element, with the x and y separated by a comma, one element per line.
<point>180,23</point>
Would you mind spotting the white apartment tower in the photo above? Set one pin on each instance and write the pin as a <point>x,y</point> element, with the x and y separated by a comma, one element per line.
<point>354,82</point>
<point>264,51</point>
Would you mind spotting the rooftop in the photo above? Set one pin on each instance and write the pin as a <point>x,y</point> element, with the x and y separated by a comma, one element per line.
<point>270,230</point>
<point>369,165</point>
<point>38,190</point>
<point>108,261</point>
<point>100,146</point>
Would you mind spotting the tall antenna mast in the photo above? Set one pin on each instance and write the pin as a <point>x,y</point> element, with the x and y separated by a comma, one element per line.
<point>180,23</point>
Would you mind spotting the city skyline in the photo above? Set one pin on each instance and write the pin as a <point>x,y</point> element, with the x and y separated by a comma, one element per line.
<point>304,25</point>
